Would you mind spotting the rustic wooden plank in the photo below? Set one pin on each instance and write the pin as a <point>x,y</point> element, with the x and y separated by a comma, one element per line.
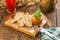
<point>58,12</point>
<point>52,18</point>
<point>58,17</point>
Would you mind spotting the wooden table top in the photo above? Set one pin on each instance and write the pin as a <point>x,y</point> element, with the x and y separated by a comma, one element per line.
<point>11,34</point>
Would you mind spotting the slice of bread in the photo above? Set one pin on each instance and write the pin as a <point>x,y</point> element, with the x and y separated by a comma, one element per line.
<point>17,16</point>
<point>27,21</point>
<point>20,23</point>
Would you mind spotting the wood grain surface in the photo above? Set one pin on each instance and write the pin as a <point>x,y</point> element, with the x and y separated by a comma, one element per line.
<point>58,12</point>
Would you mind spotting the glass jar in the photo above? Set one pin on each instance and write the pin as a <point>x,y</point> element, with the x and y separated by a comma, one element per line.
<point>47,5</point>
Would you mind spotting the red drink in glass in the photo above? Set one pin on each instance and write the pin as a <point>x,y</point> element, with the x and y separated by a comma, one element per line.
<point>11,5</point>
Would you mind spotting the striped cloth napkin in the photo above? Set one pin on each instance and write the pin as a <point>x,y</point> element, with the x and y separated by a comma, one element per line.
<point>55,31</point>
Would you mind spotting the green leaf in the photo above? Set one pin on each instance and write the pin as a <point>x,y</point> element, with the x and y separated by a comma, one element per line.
<point>37,14</point>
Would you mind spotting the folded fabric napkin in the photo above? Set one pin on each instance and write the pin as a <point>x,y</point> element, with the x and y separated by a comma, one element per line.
<point>55,31</point>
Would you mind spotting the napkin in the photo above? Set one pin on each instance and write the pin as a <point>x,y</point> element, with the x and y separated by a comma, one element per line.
<point>55,31</point>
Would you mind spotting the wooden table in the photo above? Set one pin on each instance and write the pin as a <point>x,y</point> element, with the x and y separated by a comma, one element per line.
<point>11,34</point>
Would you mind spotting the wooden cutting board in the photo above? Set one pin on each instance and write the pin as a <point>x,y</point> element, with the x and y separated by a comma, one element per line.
<point>30,31</point>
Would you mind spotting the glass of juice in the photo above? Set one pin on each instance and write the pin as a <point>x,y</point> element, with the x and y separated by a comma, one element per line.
<point>11,6</point>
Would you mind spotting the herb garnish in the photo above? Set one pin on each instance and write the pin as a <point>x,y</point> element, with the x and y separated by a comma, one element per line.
<point>37,14</point>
